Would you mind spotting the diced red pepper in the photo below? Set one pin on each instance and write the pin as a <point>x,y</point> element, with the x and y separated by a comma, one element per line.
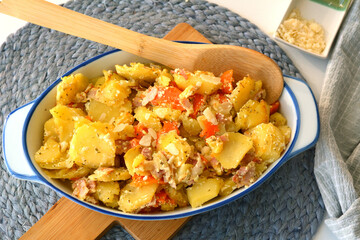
<point>167,127</point>
<point>198,102</point>
<point>274,107</point>
<point>168,97</point>
<point>162,197</point>
<point>145,180</point>
<point>140,131</point>
<point>227,81</point>
<point>209,130</point>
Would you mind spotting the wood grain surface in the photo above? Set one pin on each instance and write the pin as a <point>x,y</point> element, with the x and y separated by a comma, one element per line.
<point>69,220</point>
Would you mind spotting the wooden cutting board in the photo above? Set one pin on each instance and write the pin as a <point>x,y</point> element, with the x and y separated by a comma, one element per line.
<point>69,220</point>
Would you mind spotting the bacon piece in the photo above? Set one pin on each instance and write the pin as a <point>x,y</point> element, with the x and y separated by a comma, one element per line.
<point>80,188</point>
<point>245,175</point>
<point>147,152</point>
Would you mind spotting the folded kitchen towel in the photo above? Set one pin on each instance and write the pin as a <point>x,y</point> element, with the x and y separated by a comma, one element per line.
<point>337,157</point>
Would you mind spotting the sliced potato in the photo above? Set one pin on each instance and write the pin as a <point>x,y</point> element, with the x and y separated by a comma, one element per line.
<point>278,119</point>
<point>110,174</point>
<point>113,92</point>
<point>148,118</point>
<point>49,152</point>
<point>252,113</point>
<point>233,150</point>
<point>69,87</point>
<point>68,173</point>
<point>241,94</point>
<point>50,130</point>
<point>142,74</point>
<point>176,146</point>
<point>228,187</point>
<point>93,146</point>
<point>203,190</point>
<point>269,141</point>
<point>190,125</point>
<point>64,118</point>
<point>206,82</point>
<point>108,193</point>
<point>133,197</point>
<point>102,112</point>
<point>167,113</point>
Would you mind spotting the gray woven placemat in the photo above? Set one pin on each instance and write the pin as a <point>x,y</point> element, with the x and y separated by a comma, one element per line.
<point>288,206</point>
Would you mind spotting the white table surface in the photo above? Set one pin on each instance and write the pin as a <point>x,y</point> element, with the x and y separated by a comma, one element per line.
<point>267,16</point>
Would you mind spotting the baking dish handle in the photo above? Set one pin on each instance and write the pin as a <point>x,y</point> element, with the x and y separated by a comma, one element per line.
<point>309,131</point>
<point>13,153</point>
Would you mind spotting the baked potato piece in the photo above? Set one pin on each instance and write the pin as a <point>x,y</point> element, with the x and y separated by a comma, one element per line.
<point>278,119</point>
<point>252,113</point>
<point>148,118</point>
<point>166,113</point>
<point>242,92</point>
<point>133,197</point>
<point>133,158</point>
<point>92,146</point>
<point>105,174</point>
<point>102,112</point>
<point>68,173</point>
<point>108,193</point>
<point>113,92</point>
<point>50,130</point>
<point>269,141</point>
<point>203,190</point>
<point>228,187</point>
<point>205,82</point>
<point>69,87</point>
<point>176,146</point>
<point>234,150</point>
<point>143,75</point>
<point>64,118</point>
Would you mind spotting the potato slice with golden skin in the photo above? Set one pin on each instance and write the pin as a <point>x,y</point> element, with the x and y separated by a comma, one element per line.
<point>102,112</point>
<point>68,173</point>
<point>108,193</point>
<point>204,190</point>
<point>269,141</point>
<point>142,74</point>
<point>69,87</point>
<point>113,92</point>
<point>252,113</point>
<point>132,197</point>
<point>278,119</point>
<point>93,146</point>
<point>176,146</point>
<point>64,118</point>
<point>234,150</point>
<point>50,130</point>
<point>205,82</point>
<point>148,118</point>
<point>241,94</point>
<point>49,152</point>
<point>110,174</point>
<point>228,187</point>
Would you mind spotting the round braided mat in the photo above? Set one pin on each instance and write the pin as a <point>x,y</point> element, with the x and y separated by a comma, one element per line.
<point>288,206</point>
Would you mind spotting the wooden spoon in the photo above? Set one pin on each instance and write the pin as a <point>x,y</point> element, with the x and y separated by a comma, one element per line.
<point>207,57</point>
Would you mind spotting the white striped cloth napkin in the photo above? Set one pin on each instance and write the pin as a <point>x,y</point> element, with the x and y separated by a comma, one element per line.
<point>337,155</point>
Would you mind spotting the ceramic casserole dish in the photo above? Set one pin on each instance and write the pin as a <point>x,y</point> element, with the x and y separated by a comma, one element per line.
<point>23,136</point>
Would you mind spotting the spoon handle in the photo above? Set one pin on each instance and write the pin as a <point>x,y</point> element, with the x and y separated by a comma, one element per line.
<point>55,17</point>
